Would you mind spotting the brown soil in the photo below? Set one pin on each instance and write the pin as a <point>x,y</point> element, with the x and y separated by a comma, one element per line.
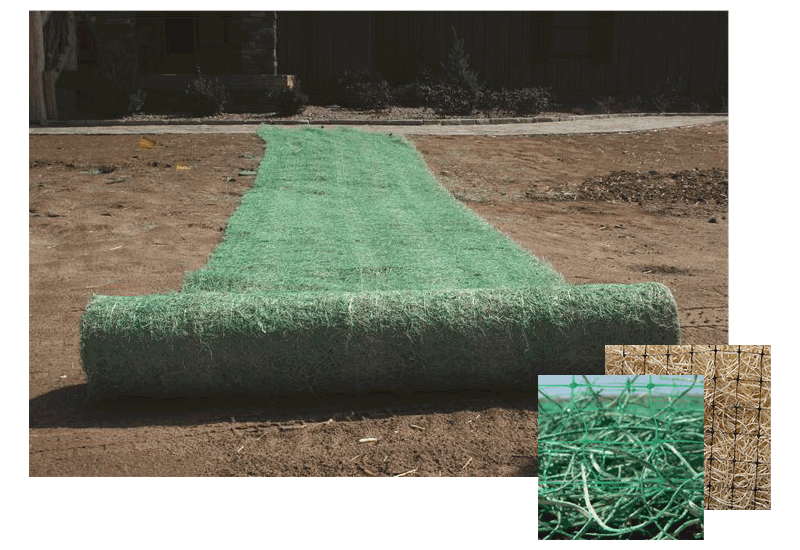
<point>608,208</point>
<point>108,217</point>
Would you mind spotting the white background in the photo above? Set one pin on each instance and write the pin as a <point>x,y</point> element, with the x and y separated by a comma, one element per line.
<point>426,513</point>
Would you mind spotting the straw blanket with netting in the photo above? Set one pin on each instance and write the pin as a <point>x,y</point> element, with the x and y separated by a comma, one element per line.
<point>348,267</point>
<point>738,403</point>
<point>620,457</point>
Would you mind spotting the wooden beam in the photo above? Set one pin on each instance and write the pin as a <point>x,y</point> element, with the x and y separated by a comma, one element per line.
<point>49,84</point>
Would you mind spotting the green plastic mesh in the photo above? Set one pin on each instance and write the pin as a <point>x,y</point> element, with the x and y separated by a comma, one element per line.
<point>348,267</point>
<point>620,457</point>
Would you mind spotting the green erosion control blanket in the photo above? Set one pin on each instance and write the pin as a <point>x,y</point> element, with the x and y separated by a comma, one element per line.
<point>348,267</point>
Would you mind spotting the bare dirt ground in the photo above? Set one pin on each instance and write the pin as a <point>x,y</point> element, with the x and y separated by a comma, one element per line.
<point>608,208</point>
<point>108,217</point>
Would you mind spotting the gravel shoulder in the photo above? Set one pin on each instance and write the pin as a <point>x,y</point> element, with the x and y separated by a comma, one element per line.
<point>544,125</point>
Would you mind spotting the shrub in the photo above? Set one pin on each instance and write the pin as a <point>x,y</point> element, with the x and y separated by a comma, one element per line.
<point>207,95</point>
<point>287,101</point>
<point>665,96</point>
<point>528,101</point>
<point>487,100</point>
<point>719,99</point>
<point>700,104</point>
<point>413,94</point>
<point>635,104</point>
<point>606,104</point>
<point>449,100</point>
<point>522,101</point>
<point>137,100</point>
<point>365,90</point>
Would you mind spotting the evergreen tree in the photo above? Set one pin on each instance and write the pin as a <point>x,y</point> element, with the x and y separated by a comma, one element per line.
<point>457,93</point>
<point>456,70</point>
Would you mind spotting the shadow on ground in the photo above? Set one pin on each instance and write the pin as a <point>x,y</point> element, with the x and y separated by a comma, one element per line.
<point>530,470</point>
<point>67,407</point>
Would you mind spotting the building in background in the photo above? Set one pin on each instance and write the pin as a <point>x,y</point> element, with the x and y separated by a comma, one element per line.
<point>80,61</point>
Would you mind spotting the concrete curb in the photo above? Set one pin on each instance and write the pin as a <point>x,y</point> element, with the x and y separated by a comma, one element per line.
<point>356,122</point>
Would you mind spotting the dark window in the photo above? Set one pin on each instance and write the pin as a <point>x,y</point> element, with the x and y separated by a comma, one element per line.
<point>180,34</point>
<point>570,35</point>
<point>87,46</point>
<point>587,36</point>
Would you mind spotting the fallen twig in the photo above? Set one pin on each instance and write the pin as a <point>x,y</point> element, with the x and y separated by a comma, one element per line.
<point>303,425</point>
<point>284,427</point>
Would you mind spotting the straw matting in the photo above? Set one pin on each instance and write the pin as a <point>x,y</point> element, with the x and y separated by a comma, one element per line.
<point>737,413</point>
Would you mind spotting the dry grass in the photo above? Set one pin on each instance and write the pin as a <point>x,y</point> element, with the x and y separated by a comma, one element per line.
<point>737,420</point>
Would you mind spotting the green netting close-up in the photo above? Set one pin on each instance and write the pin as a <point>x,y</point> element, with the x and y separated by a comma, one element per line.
<point>348,267</point>
<point>620,457</point>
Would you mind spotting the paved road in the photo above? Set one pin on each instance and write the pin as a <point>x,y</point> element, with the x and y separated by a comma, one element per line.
<point>574,126</point>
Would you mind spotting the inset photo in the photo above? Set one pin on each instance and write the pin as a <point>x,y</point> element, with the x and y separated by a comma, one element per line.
<point>737,424</point>
<point>620,457</point>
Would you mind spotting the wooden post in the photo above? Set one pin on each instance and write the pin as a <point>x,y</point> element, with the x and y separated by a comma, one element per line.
<point>43,105</point>
<point>38,109</point>
<point>49,78</point>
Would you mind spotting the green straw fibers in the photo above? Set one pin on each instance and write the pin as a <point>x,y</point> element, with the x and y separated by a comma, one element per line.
<point>621,457</point>
<point>348,268</point>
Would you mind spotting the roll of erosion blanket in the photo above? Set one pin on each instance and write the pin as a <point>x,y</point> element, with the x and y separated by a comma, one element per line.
<point>200,343</point>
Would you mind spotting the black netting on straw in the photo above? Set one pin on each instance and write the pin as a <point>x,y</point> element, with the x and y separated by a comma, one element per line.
<point>737,413</point>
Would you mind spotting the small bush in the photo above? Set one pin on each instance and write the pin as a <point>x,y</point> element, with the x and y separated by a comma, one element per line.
<point>207,95</point>
<point>719,99</point>
<point>528,101</point>
<point>451,100</point>
<point>137,101</point>
<point>700,104</point>
<point>365,90</point>
<point>488,100</point>
<point>413,94</point>
<point>287,101</point>
<point>635,104</point>
<point>522,101</point>
<point>607,104</point>
<point>665,96</point>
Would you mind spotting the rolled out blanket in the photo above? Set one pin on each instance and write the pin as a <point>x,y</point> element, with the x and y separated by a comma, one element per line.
<point>317,343</point>
<point>348,268</point>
